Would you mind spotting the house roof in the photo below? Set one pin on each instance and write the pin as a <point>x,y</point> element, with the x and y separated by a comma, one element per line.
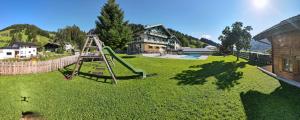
<point>160,25</point>
<point>288,25</point>
<point>9,47</point>
<point>16,45</point>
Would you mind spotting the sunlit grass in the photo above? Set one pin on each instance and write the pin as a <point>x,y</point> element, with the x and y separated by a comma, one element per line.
<point>248,94</point>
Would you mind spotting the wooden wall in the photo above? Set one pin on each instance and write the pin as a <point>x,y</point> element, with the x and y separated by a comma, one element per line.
<point>154,48</point>
<point>286,46</point>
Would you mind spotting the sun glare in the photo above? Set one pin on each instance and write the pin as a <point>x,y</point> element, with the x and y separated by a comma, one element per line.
<point>260,4</point>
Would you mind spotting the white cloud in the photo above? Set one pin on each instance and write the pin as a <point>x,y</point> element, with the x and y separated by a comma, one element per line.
<point>206,36</point>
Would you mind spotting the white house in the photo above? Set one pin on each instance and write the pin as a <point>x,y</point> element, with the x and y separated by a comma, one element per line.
<point>18,50</point>
<point>68,47</point>
<point>7,52</point>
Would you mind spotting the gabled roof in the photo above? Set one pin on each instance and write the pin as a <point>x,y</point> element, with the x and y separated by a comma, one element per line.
<point>289,25</point>
<point>52,44</point>
<point>17,45</point>
<point>9,47</point>
<point>160,25</point>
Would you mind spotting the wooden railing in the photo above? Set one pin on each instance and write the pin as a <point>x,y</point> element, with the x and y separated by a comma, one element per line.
<point>28,67</point>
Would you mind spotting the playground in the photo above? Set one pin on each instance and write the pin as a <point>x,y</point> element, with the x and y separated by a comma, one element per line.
<point>94,49</point>
<point>216,88</point>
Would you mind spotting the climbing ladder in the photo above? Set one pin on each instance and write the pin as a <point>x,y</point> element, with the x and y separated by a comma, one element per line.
<point>86,53</point>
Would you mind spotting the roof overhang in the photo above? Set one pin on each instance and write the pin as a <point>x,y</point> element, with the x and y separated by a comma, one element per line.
<point>289,25</point>
<point>52,44</point>
<point>9,48</point>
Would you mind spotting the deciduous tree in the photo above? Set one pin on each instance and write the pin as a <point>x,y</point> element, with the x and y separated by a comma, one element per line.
<point>236,36</point>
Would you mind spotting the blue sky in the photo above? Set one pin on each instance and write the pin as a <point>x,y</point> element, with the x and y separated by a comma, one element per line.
<point>195,17</point>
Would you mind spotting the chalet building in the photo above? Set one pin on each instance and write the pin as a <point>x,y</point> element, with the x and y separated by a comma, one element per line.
<point>51,47</point>
<point>285,40</point>
<point>18,50</point>
<point>153,39</point>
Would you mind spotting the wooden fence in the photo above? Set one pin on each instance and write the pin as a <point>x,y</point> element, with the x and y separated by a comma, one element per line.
<point>28,67</point>
<point>259,58</point>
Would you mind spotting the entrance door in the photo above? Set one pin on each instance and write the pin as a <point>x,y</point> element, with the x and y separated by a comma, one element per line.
<point>16,54</point>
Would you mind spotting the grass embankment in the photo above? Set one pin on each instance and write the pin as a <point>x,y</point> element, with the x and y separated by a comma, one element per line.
<point>217,88</point>
<point>5,38</point>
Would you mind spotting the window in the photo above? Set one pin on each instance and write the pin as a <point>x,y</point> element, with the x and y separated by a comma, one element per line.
<point>157,47</point>
<point>287,65</point>
<point>150,47</point>
<point>8,53</point>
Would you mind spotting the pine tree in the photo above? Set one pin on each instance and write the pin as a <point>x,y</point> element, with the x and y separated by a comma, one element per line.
<point>111,27</point>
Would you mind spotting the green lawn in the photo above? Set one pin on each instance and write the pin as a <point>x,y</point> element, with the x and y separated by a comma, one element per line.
<point>217,88</point>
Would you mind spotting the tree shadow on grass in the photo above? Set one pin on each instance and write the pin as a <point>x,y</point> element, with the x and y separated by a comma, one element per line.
<point>128,56</point>
<point>254,63</point>
<point>225,72</point>
<point>283,103</point>
<point>67,73</point>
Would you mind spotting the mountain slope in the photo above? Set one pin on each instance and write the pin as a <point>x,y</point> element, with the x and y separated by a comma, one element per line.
<point>209,42</point>
<point>259,47</point>
<point>24,33</point>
